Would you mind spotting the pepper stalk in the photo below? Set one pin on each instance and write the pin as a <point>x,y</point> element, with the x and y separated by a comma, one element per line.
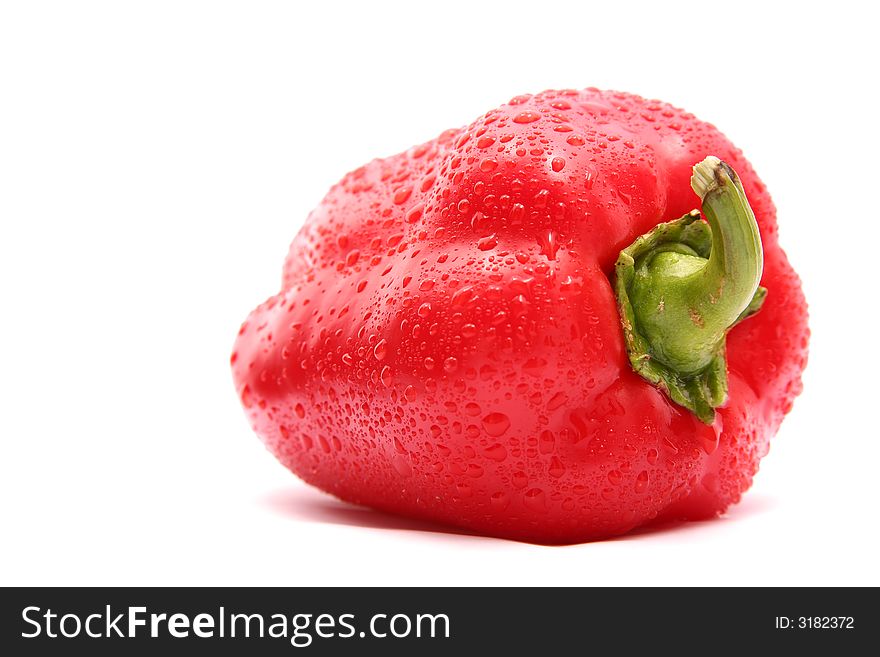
<point>682,286</point>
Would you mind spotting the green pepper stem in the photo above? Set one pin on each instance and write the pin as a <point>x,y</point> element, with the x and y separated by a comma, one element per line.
<point>737,258</point>
<point>683,303</point>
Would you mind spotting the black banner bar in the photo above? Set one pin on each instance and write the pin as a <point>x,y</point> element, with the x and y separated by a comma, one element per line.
<point>435,621</point>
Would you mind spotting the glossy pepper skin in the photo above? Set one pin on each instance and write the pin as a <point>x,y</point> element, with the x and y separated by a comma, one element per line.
<point>447,343</point>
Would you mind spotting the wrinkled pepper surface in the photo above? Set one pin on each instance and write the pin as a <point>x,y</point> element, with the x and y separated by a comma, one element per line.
<point>564,321</point>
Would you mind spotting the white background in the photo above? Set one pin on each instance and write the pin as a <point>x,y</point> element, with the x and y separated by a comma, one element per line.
<point>156,159</point>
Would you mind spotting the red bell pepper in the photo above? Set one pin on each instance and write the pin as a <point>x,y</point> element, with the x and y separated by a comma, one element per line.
<point>525,328</point>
